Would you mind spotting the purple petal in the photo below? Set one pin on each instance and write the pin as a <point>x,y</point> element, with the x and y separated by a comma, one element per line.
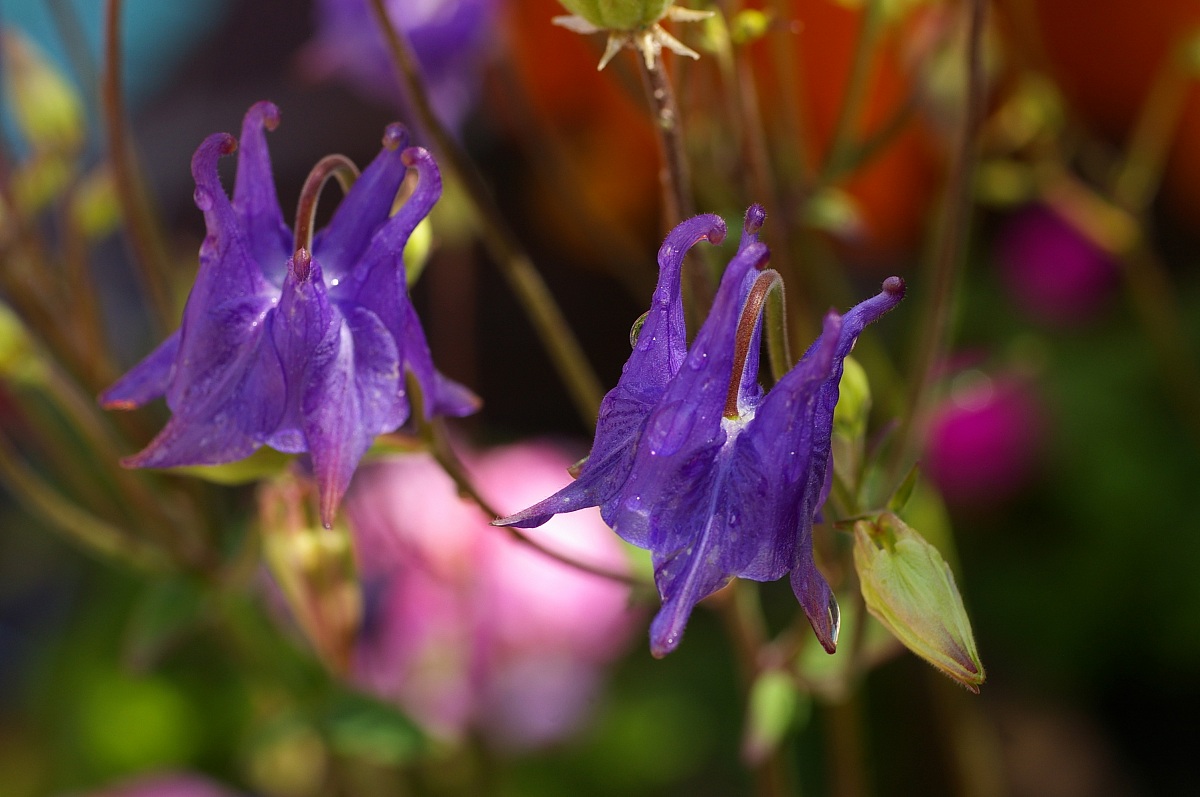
<point>676,501</point>
<point>146,381</point>
<point>367,205</point>
<point>228,409</point>
<point>386,249</point>
<point>685,423</point>
<point>657,356</point>
<point>788,459</point>
<point>755,216</point>
<point>332,420</point>
<point>254,198</point>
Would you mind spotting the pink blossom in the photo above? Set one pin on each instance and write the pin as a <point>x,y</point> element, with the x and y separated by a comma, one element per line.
<point>465,628</point>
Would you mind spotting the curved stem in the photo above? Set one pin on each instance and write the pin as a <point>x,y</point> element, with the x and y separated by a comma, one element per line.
<point>744,337</point>
<point>443,452</point>
<point>337,166</point>
<point>943,268</point>
<point>141,224</point>
<point>515,265</point>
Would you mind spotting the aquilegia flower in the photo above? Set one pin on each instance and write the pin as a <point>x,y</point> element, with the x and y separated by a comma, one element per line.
<point>452,40</point>
<point>694,462</point>
<point>299,344</point>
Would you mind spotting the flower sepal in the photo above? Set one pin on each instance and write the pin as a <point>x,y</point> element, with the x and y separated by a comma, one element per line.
<point>630,23</point>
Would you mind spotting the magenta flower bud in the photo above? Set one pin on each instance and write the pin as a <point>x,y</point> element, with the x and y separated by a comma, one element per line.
<point>166,784</point>
<point>1052,271</point>
<point>984,440</point>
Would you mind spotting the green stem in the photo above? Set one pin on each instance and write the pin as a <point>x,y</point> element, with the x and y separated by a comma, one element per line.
<point>942,271</point>
<point>1140,175</point>
<point>173,533</point>
<point>843,138</point>
<point>741,611</point>
<point>847,759</point>
<point>43,501</point>
<point>141,224</point>
<point>515,264</point>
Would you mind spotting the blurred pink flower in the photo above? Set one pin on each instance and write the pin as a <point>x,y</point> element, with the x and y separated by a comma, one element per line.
<point>166,784</point>
<point>465,628</point>
<point>984,439</point>
<point>1051,270</point>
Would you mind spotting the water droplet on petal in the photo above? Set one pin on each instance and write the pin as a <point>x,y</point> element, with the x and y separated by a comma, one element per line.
<point>835,618</point>
<point>636,330</point>
<point>671,427</point>
<point>203,199</point>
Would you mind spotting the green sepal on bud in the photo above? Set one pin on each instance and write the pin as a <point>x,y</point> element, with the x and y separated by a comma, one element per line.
<point>630,23</point>
<point>618,14</point>
<point>909,588</point>
<point>314,567</point>
<point>850,417</point>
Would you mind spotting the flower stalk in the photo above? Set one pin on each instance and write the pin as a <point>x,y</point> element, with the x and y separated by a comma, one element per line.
<point>515,264</point>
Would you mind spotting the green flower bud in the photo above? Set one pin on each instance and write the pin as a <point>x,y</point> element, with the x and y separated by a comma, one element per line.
<point>909,588</point>
<point>46,107</point>
<point>314,567</point>
<point>618,14</point>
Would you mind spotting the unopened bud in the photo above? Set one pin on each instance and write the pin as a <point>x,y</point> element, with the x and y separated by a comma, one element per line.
<point>909,588</point>
<point>314,568</point>
<point>618,14</point>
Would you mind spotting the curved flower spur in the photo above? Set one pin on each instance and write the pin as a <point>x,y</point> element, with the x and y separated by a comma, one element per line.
<point>301,343</point>
<point>694,462</point>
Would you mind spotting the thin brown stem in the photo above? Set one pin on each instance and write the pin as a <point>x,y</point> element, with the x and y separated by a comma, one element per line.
<point>675,175</point>
<point>943,269</point>
<point>742,615</point>
<point>515,264</point>
<point>141,224</point>
<point>443,452</point>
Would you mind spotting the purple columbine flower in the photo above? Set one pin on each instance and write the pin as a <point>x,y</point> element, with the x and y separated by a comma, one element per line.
<point>300,343</point>
<point>452,40</point>
<point>694,462</point>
